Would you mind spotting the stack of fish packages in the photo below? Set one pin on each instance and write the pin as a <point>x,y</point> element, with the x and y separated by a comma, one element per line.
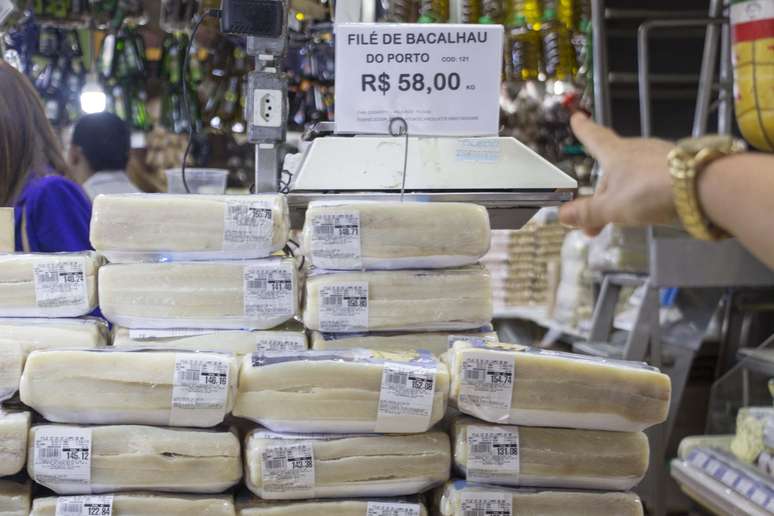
<point>349,426</point>
<point>44,299</point>
<point>549,237</point>
<point>510,261</point>
<point>542,431</point>
<point>137,428</point>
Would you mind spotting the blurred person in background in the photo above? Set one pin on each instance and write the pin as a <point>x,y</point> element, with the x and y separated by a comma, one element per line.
<point>99,154</point>
<point>52,212</point>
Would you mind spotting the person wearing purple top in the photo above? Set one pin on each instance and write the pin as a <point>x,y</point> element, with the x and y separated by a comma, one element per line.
<point>51,211</point>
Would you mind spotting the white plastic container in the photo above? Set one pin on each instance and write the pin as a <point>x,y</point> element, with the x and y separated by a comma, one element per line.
<point>200,180</point>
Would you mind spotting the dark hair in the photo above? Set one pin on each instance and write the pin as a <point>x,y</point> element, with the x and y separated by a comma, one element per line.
<point>104,139</point>
<point>27,141</point>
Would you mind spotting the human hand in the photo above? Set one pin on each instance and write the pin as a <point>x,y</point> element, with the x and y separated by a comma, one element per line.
<point>635,188</point>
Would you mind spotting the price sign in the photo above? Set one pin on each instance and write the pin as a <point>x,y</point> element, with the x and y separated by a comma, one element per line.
<point>444,80</point>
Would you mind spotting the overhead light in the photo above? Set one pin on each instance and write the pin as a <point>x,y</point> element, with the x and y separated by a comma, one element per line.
<point>93,98</point>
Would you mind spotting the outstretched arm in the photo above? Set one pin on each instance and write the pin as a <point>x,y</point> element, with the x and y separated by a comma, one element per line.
<point>735,192</point>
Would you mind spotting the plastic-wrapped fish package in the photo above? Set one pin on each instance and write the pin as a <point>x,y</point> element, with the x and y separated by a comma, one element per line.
<point>575,296</point>
<point>343,391</point>
<point>407,300</point>
<point>130,458</point>
<point>690,443</point>
<point>435,342</point>
<point>130,387</point>
<point>135,504</point>
<point>549,457</point>
<point>14,427</point>
<point>460,498</point>
<point>512,384</point>
<point>239,342</point>
<point>352,235</point>
<point>11,364</point>
<point>340,507</point>
<point>255,294</point>
<point>301,466</point>
<point>619,248</point>
<point>34,334</point>
<point>15,498</point>
<point>48,285</point>
<point>749,440</point>
<point>164,227</point>
<point>7,230</point>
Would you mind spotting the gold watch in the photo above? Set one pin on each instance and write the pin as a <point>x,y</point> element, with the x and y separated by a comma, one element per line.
<point>686,163</point>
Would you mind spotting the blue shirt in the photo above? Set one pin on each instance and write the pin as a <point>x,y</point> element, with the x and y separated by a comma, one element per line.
<point>57,215</point>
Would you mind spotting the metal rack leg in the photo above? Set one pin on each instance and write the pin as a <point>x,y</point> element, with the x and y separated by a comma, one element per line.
<point>707,74</point>
<point>599,67</point>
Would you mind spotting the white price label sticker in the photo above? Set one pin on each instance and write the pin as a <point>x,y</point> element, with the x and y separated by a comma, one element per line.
<point>269,290</point>
<point>280,343</point>
<point>493,454</point>
<point>444,80</point>
<point>344,307</point>
<point>145,334</point>
<point>288,468</point>
<point>335,240</point>
<point>486,385</point>
<point>84,506</point>
<point>62,458</point>
<point>200,384</point>
<point>248,224</point>
<point>486,504</point>
<point>61,284</point>
<point>406,398</point>
<point>393,509</point>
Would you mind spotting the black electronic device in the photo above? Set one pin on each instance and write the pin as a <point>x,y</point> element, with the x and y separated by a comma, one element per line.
<point>257,18</point>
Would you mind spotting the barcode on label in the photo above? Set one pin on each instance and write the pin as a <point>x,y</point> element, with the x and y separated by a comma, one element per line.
<point>481,448</point>
<point>71,508</point>
<point>49,452</point>
<point>334,300</point>
<point>188,376</point>
<point>397,378</point>
<point>474,374</point>
<point>275,463</point>
<point>324,230</point>
<point>256,284</point>
<point>475,512</point>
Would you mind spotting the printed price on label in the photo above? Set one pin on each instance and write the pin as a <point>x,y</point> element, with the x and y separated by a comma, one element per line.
<point>200,383</point>
<point>84,506</point>
<point>288,468</point>
<point>442,79</point>
<point>269,291</point>
<point>406,398</point>
<point>248,224</point>
<point>493,454</point>
<point>392,509</point>
<point>336,240</point>
<point>486,504</point>
<point>344,307</point>
<point>487,383</point>
<point>62,458</point>
<point>61,284</point>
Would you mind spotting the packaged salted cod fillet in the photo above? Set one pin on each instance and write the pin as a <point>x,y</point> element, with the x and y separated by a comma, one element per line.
<point>130,387</point>
<point>749,440</point>
<point>518,385</point>
<point>48,285</point>
<point>461,498</point>
<point>14,427</point>
<point>35,334</point>
<point>549,457</point>
<point>255,294</point>
<point>690,443</point>
<point>343,391</point>
<point>341,507</point>
<point>15,497</point>
<point>435,342</point>
<point>407,300</point>
<point>355,235</point>
<point>239,342</point>
<point>130,458</point>
<point>11,365</point>
<point>135,504</point>
<point>165,227</point>
<point>300,466</point>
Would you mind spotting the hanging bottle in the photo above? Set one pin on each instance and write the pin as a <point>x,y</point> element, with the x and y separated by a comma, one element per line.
<point>491,11</point>
<point>530,10</point>
<point>524,51</point>
<point>433,11</point>
<point>558,52</point>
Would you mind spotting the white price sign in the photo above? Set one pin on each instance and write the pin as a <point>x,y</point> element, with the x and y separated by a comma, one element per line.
<point>444,80</point>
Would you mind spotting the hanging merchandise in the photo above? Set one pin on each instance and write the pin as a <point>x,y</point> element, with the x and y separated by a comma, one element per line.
<point>558,53</point>
<point>433,11</point>
<point>524,55</point>
<point>397,11</point>
<point>173,115</point>
<point>491,11</point>
<point>465,11</point>
<point>122,68</point>
<point>530,10</point>
<point>753,55</point>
